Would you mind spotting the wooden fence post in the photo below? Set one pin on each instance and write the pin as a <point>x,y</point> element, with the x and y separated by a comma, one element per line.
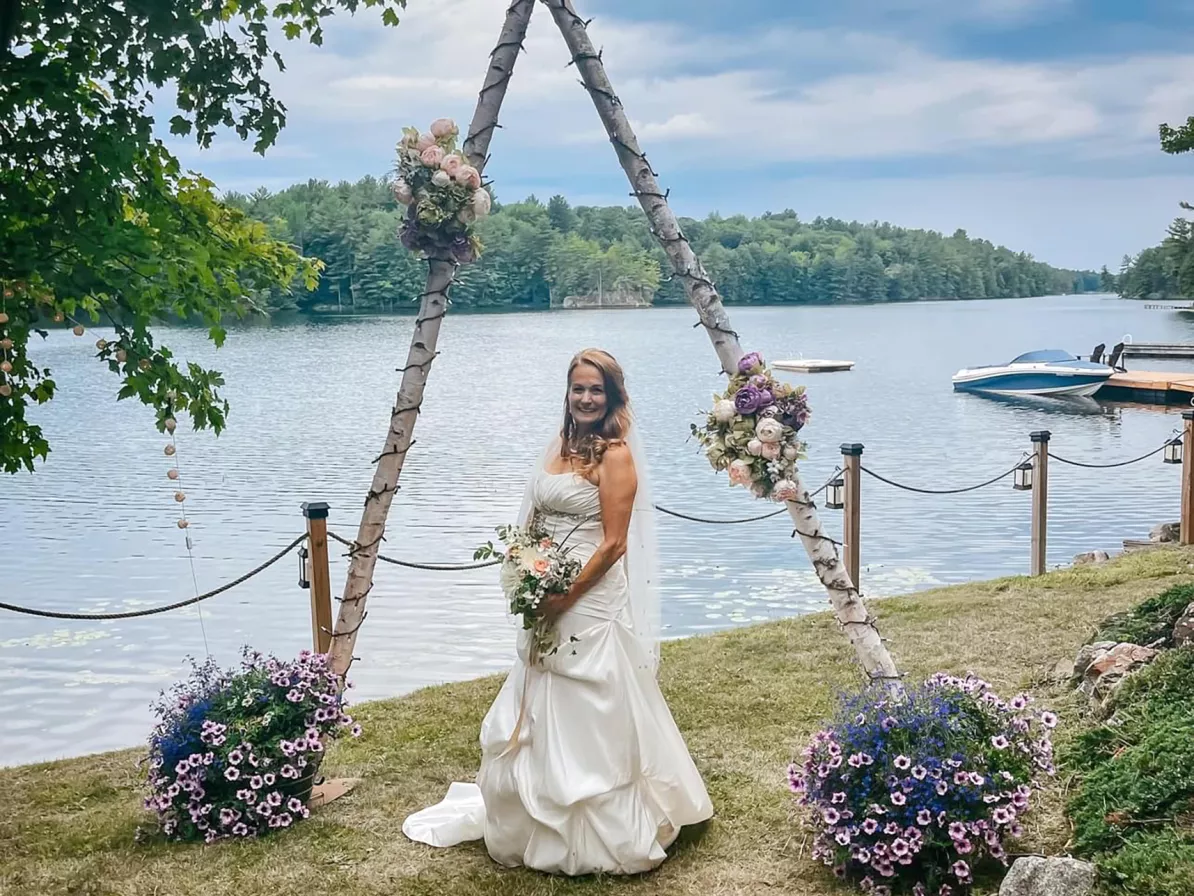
<point>316,513</point>
<point>1040,500</point>
<point>1187,526</point>
<point>852,517</point>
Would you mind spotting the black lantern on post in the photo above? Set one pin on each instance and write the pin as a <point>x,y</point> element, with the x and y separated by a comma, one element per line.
<point>1174,450</point>
<point>304,558</point>
<point>1022,477</point>
<point>835,494</point>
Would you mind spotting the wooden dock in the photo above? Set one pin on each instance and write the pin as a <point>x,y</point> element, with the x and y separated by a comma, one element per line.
<point>1155,387</point>
<point>1159,350</point>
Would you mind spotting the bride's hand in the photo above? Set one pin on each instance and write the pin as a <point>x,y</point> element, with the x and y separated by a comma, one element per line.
<point>556,606</point>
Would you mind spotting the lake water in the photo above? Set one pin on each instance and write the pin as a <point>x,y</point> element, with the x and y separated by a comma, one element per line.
<point>94,529</point>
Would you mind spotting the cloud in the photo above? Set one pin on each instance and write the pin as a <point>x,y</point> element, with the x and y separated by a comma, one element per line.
<point>777,102</point>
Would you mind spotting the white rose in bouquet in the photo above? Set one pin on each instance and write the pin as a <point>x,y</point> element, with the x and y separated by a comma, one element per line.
<point>768,430</point>
<point>724,411</point>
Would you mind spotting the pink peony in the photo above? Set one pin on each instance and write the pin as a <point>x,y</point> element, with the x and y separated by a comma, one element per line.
<point>432,156</point>
<point>443,127</point>
<point>785,491</point>
<point>425,141</point>
<point>740,473</point>
<point>452,163</point>
<point>468,176</point>
<point>770,450</point>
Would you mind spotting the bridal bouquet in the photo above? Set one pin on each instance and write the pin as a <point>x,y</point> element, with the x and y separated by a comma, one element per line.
<point>534,567</point>
<point>442,193</point>
<point>752,431</point>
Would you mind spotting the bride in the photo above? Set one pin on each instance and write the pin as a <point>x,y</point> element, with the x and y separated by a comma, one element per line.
<point>582,767</point>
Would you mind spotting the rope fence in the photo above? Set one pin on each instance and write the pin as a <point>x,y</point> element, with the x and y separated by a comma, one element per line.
<point>134,614</point>
<point>850,486</point>
<point>943,491</point>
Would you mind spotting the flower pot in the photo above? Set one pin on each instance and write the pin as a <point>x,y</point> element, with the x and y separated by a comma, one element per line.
<point>301,787</point>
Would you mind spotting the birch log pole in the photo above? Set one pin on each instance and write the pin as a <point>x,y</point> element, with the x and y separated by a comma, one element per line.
<point>848,605</point>
<point>432,308</point>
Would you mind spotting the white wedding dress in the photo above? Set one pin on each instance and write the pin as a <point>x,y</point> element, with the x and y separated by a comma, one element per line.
<point>598,777</point>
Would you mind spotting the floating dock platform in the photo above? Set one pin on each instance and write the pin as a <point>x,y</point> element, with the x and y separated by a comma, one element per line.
<point>1156,387</point>
<point>813,365</point>
<point>1158,350</point>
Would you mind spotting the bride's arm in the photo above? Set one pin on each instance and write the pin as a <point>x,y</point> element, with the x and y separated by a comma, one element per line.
<point>616,489</point>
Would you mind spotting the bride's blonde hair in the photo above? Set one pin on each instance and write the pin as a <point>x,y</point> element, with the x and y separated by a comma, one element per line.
<point>613,428</point>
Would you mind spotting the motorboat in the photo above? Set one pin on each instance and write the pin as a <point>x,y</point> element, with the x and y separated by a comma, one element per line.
<point>1046,372</point>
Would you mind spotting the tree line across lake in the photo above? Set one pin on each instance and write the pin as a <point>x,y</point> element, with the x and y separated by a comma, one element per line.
<point>538,254</point>
<point>1161,272</point>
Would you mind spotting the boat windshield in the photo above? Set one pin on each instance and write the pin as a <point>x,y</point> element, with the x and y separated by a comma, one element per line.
<point>1044,356</point>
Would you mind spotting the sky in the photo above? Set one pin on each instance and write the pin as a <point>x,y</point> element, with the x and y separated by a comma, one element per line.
<point>1031,123</point>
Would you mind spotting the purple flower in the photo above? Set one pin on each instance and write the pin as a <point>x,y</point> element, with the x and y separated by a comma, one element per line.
<point>942,788</point>
<point>903,763</point>
<point>961,871</point>
<point>749,362</point>
<point>843,838</point>
<point>920,773</point>
<point>294,804</point>
<point>1049,719</point>
<point>870,826</point>
<point>294,695</point>
<point>257,782</point>
<point>240,830</point>
<point>999,742</point>
<point>1001,816</point>
<point>245,795</point>
<point>892,828</point>
<point>838,798</point>
<point>899,847</point>
<point>232,773</point>
<point>957,831</point>
<point>888,723</point>
<point>748,400</point>
<point>898,798</point>
<point>924,817</point>
<point>831,815</point>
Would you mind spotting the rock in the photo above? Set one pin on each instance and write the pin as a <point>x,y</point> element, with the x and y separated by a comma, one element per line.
<point>1063,671</point>
<point>1034,876</point>
<point>1092,558</point>
<point>1183,629</point>
<point>1086,656</point>
<point>1165,532</point>
<point>1106,667</point>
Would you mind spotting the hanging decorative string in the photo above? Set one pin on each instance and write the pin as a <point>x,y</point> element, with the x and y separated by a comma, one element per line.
<point>174,474</point>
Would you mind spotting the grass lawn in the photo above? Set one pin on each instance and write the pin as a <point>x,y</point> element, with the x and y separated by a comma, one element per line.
<point>745,700</point>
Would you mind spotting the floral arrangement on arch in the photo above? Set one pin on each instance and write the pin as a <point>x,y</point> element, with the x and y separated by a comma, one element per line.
<point>442,192</point>
<point>910,795</point>
<point>235,753</point>
<point>752,431</point>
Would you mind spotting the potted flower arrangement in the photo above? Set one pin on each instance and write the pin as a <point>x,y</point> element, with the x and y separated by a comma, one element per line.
<point>235,753</point>
<point>910,795</point>
<point>752,431</point>
<point>442,193</point>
